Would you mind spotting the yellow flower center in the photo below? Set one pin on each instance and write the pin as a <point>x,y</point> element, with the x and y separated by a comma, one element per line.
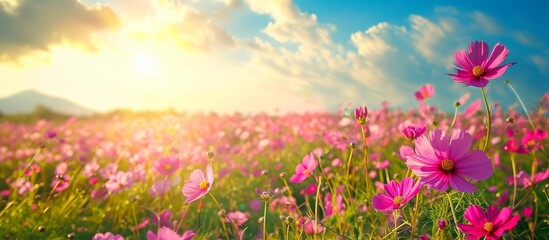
<point>488,226</point>
<point>478,71</point>
<point>447,165</point>
<point>168,167</point>
<point>306,172</point>
<point>204,185</point>
<point>397,200</point>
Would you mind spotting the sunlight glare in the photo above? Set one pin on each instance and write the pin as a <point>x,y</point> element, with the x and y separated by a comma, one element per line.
<point>145,65</point>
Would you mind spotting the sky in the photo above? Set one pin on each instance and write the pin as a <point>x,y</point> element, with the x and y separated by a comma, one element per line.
<point>264,56</point>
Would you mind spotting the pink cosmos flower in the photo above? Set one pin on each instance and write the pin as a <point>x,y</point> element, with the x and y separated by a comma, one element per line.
<point>426,91</point>
<point>22,185</point>
<point>532,140</point>
<point>107,236</point>
<point>441,160</point>
<point>396,195</point>
<point>476,68</point>
<point>310,226</point>
<point>411,132</point>
<point>60,183</point>
<point>199,184</point>
<point>512,146</point>
<point>119,181</point>
<point>526,179</point>
<point>165,233</point>
<point>331,208</point>
<point>237,217</point>
<point>167,166</point>
<point>490,225</point>
<point>304,169</point>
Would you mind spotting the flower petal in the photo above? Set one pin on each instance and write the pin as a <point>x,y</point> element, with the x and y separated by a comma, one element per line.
<point>498,55</point>
<point>424,148</point>
<point>508,225</point>
<point>475,165</point>
<point>209,174</point>
<point>473,231</point>
<point>492,212</point>
<point>462,60</point>
<point>478,52</point>
<point>460,184</point>
<point>475,215</point>
<point>496,72</point>
<point>382,202</point>
<point>297,178</point>
<point>392,189</point>
<point>460,142</point>
<point>437,181</point>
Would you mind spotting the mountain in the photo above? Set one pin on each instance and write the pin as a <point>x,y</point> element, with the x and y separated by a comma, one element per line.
<point>27,101</point>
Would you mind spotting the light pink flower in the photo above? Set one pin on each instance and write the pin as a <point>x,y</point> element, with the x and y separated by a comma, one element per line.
<point>310,226</point>
<point>475,67</point>
<point>165,233</point>
<point>199,184</point>
<point>396,195</point>
<point>331,207</point>
<point>490,225</point>
<point>107,236</point>
<point>404,151</point>
<point>441,160</point>
<point>426,91</point>
<point>119,181</point>
<point>237,217</point>
<point>304,169</point>
<point>167,166</point>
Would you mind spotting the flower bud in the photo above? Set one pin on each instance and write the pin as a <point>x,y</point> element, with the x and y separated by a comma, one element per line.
<point>442,224</point>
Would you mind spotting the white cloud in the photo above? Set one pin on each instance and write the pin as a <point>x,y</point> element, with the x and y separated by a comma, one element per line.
<point>291,25</point>
<point>373,41</point>
<point>486,23</point>
<point>542,63</point>
<point>35,26</point>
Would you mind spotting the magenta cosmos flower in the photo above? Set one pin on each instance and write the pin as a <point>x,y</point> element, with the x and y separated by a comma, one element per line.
<point>361,115</point>
<point>167,166</point>
<point>475,68</point>
<point>199,184</point>
<point>411,132</point>
<point>426,91</point>
<point>396,195</point>
<point>441,160</point>
<point>490,225</point>
<point>304,169</point>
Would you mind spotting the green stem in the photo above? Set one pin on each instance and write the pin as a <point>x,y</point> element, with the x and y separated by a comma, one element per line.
<point>453,214</point>
<point>455,117</point>
<point>223,220</point>
<point>348,172</point>
<point>370,210</point>
<point>521,104</point>
<point>316,205</point>
<point>489,118</point>
<point>265,221</point>
<point>514,179</point>
<point>414,218</point>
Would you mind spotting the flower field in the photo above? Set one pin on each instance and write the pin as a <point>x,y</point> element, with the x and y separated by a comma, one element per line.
<point>362,173</point>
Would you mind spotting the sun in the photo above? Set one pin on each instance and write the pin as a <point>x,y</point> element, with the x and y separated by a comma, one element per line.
<point>145,64</point>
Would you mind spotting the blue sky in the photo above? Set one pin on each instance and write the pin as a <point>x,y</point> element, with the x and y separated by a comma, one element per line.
<point>250,55</point>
